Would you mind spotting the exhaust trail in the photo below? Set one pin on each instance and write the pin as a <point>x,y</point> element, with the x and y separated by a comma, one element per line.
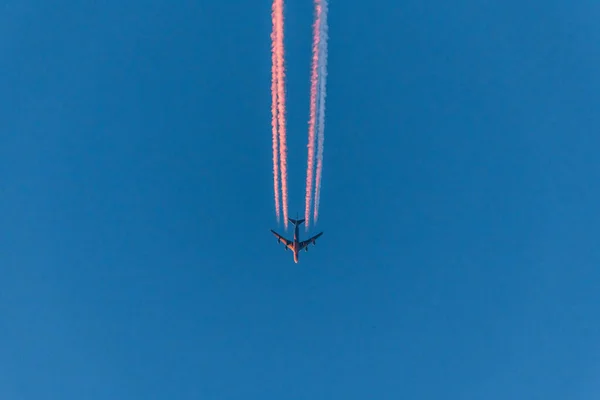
<point>274,115</point>
<point>280,66</point>
<point>314,78</point>
<point>323,32</point>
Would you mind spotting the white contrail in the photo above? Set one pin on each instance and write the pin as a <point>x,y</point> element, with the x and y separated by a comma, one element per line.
<point>321,102</point>
<point>278,112</point>
<point>278,7</point>
<point>274,116</point>
<point>314,79</point>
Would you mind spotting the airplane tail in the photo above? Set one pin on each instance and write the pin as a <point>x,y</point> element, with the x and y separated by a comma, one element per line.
<point>296,221</point>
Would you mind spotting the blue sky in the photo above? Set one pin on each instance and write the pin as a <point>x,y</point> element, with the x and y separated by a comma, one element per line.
<point>459,202</point>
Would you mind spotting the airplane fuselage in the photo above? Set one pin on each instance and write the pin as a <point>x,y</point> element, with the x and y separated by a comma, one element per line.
<point>296,244</point>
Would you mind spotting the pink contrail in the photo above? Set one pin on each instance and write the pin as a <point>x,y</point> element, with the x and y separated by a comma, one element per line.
<point>279,50</point>
<point>274,114</point>
<point>313,112</point>
<point>321,101</point>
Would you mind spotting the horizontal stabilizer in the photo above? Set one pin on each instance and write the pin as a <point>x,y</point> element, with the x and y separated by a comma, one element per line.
<point>296,221</point>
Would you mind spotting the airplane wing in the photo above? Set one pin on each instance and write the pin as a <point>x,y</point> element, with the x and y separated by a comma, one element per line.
<point>287,243</point>
<point>307,242</point>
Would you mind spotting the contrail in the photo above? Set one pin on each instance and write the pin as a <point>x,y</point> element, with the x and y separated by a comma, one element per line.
<point>278,111</point>
<point>313,111</point>
<point>278,11</point>
<point>274,114</point>
<point>321,101</point>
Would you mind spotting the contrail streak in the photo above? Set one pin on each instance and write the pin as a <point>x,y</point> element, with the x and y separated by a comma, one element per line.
<point>321,102</point>
<point>278,10</point>
<point>314,78</point>
<point>274,114</point>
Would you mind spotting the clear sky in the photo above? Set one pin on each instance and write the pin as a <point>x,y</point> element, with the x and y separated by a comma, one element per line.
<point>460,199</point>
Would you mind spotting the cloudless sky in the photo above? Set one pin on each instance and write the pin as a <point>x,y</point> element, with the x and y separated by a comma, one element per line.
<point>460,202</point>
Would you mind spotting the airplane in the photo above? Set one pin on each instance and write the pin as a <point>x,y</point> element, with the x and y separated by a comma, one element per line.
<point>296,245</point>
